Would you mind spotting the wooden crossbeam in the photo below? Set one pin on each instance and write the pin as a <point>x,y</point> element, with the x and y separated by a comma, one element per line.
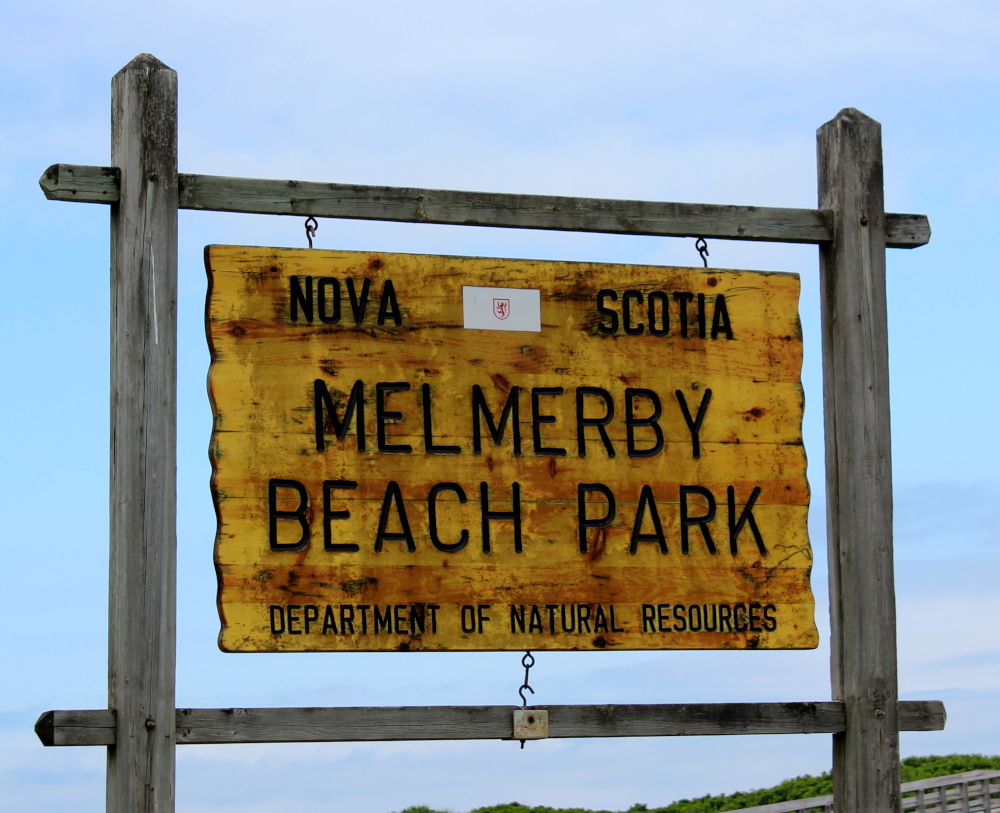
<point>89,184</point>
<point>379,724</point>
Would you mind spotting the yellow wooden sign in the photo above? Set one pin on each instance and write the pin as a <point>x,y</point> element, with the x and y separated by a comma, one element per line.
<point>450,453</point>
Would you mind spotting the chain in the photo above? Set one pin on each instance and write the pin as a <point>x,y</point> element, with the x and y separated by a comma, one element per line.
<point>312,226</point>
<point>527,662</point>
<point>702,247</point>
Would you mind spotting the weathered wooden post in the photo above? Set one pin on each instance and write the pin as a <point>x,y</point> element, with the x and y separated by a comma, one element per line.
<point>142,611</point>
<point>144,190</point>
<point>858,465</point>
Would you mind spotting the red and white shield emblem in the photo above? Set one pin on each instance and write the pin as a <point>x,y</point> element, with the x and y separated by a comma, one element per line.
<point>501,308</point>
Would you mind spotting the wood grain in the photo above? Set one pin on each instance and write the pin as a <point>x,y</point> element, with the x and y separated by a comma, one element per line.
<point>97,727</point>
<point>267,360</point>
<point>368,724</point>
<point>218,193</point>
<point>858,465</point>
<point>142,589</point>
<point>81,184</point>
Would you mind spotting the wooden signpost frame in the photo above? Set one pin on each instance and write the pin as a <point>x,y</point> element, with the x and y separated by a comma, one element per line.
<point>141,725</point>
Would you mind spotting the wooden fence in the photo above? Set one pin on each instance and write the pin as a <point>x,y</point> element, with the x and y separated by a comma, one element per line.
<point>969,792</point>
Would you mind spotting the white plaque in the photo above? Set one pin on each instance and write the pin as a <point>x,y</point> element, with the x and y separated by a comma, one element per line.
<point>502,308</point>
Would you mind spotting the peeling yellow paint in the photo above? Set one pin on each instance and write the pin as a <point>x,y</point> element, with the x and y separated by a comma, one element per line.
<point>288,578</point>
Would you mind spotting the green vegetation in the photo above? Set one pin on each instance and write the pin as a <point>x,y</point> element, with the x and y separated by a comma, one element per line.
<point>802,787</point>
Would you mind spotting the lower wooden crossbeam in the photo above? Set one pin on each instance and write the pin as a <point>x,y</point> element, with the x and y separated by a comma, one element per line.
<point>383,723</point>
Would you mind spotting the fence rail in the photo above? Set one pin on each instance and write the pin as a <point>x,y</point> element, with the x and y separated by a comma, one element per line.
<point>969,792</point>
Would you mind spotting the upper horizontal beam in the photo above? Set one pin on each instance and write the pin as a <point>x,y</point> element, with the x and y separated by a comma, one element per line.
<point>401,204</point>
<point>208,726</point>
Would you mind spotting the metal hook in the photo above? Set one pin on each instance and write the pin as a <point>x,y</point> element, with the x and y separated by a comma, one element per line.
<point>702,246</point>
<point>312,226</point>
<point>527,662</point>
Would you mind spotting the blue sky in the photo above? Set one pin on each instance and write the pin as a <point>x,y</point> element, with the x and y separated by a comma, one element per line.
<point>715,102</point>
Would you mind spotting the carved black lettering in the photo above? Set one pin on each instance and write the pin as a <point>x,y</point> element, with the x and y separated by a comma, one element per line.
<point>293,619</point>
<point>630,329</point>
<point>393,496</point>
<point>274,514</point>
<point>490,516</point>
<point>754,617</point>
<point>715,617</point>
<point>694,618</point>
<point>329,621</point>
<point>510,412</point>
<point>433,608</point>
<point>583,617</point>
<point>418,619</point>
<point>383,622</point>
<point>701,316</point>
<point>683,298</point>
<point>329,486</point>
<point>694,426</point>
<point>346,619</point>
<point>663,617</point>
<point>652,422</point>
<point>612,326</point>
<point>429,445</point>
<point>702,522</point>
<point>600,619</point>
<point>725,618</point>
<point>359,304</point>
<point>384,416</point>
<point>740,617</point>
<point>614,626</point>
<point>363,609</point>
<point>535,620</point>
<point>388,306</point>
<point>598,423</point>
<point>647,503</point>
<point>680,618</point>
<point>571,626</point>
<point>746,517</point>
<point>552,617</point>
<point>770,622</point>
<point>301,298</point>
<point>468,618</point>
<point>658,297</point>
<point>537,419</point>
<point>720,318</point>
<point>399,620</point>
<point>277,614</point>
<point>582,490</point>
<point>325,414</point>
<point>517,618</point>
<point>331,316</point>
<point>648,618</point>
<point>463,540</point>
<point>310,615</point>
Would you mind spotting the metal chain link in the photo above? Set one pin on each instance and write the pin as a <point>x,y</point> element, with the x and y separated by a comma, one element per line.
<point>312,226</point>
<point>527,662</point>
<point>702,247</point>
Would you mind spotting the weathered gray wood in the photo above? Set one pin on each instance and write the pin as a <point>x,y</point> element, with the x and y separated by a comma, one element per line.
<point>906,231</point>
<point>83,184</point>
<point>142,595</point>
<point>77,727</point>
<point>302,198</point>
<point>858,467</point>
<point>203,726</point>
